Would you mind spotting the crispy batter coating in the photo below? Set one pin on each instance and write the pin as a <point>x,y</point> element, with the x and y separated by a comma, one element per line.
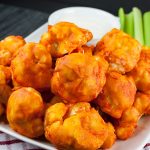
<point>111,137</point>
<point>5,75</point>
<point>79,77</point>
<point>5,92</point>
<point>120,50</point>
<point>9,48</point>
<point>142,103</point>
<point>141,73</point>
<point>126,125</point>
<point>77,126</point>
<point>85,49</point>
<point>25,112</point>
<point>64,37</point>
<point>32,67</point>
<point>118,94</point>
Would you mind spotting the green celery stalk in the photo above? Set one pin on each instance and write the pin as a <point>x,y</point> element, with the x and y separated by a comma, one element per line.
<point>138,25</point>
<point>121,15</point>
<point>129,24</point>
<point>146,19</point>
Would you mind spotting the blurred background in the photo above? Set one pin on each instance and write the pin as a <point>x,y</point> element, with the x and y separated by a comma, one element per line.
<point>49,6</point>
<point>23,17</point>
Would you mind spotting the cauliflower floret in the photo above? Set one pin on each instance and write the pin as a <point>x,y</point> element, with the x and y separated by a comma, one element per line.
<point>120,50</point>
<point>64,37</point>
<point>118,94</point>
<point>141,73</point>
<point>79,77</point>
<point>25,112</point>
<point>9,47</point>
<point>76,126</point>
<point>32,67</point>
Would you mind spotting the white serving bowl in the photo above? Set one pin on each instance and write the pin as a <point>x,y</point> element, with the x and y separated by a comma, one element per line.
<point>97,21</point>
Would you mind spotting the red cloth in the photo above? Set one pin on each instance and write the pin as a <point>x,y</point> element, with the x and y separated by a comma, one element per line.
<point>8,142</point>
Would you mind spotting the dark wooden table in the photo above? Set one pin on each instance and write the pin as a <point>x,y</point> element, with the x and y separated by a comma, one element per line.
<point>19,21</point>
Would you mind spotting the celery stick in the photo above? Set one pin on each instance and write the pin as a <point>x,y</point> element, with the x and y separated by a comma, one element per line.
<point>138,25</point>
<point>121,15</point>
<point>129,24</point>
<point>146,18</point>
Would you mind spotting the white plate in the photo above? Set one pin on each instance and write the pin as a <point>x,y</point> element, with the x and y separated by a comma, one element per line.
<point>97,21</point>
<point>136,142</point>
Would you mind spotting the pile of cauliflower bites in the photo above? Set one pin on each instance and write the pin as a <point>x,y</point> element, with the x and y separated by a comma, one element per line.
<point>79,96</point>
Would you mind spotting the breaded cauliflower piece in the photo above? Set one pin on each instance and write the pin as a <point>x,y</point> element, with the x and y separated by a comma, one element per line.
<point>141,73</point>
<point>126,125</point>
<point>79,77</point>
<point>120,50</point>
<point>64,37</point>
<point>32,67</point>
<point>76,126</point>
<point>25,112</point>
<point>9,47</point>
<point>118,94</point>
<point>142,103</point>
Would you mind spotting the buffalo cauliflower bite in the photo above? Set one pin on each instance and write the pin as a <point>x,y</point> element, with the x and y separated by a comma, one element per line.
<point>9,48</point>
<point>141,73</point>
<point>78,77</point>
<point>120,50</point>
<point>64,37</point>
<point>32,67</point>
<point>118,94</point>
<point>76,126</point>
<point>25,112</point>
<point>127,124</point>
<point>142,103</point>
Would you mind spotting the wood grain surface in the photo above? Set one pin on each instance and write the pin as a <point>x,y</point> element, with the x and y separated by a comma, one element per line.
<point>19,21</point>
